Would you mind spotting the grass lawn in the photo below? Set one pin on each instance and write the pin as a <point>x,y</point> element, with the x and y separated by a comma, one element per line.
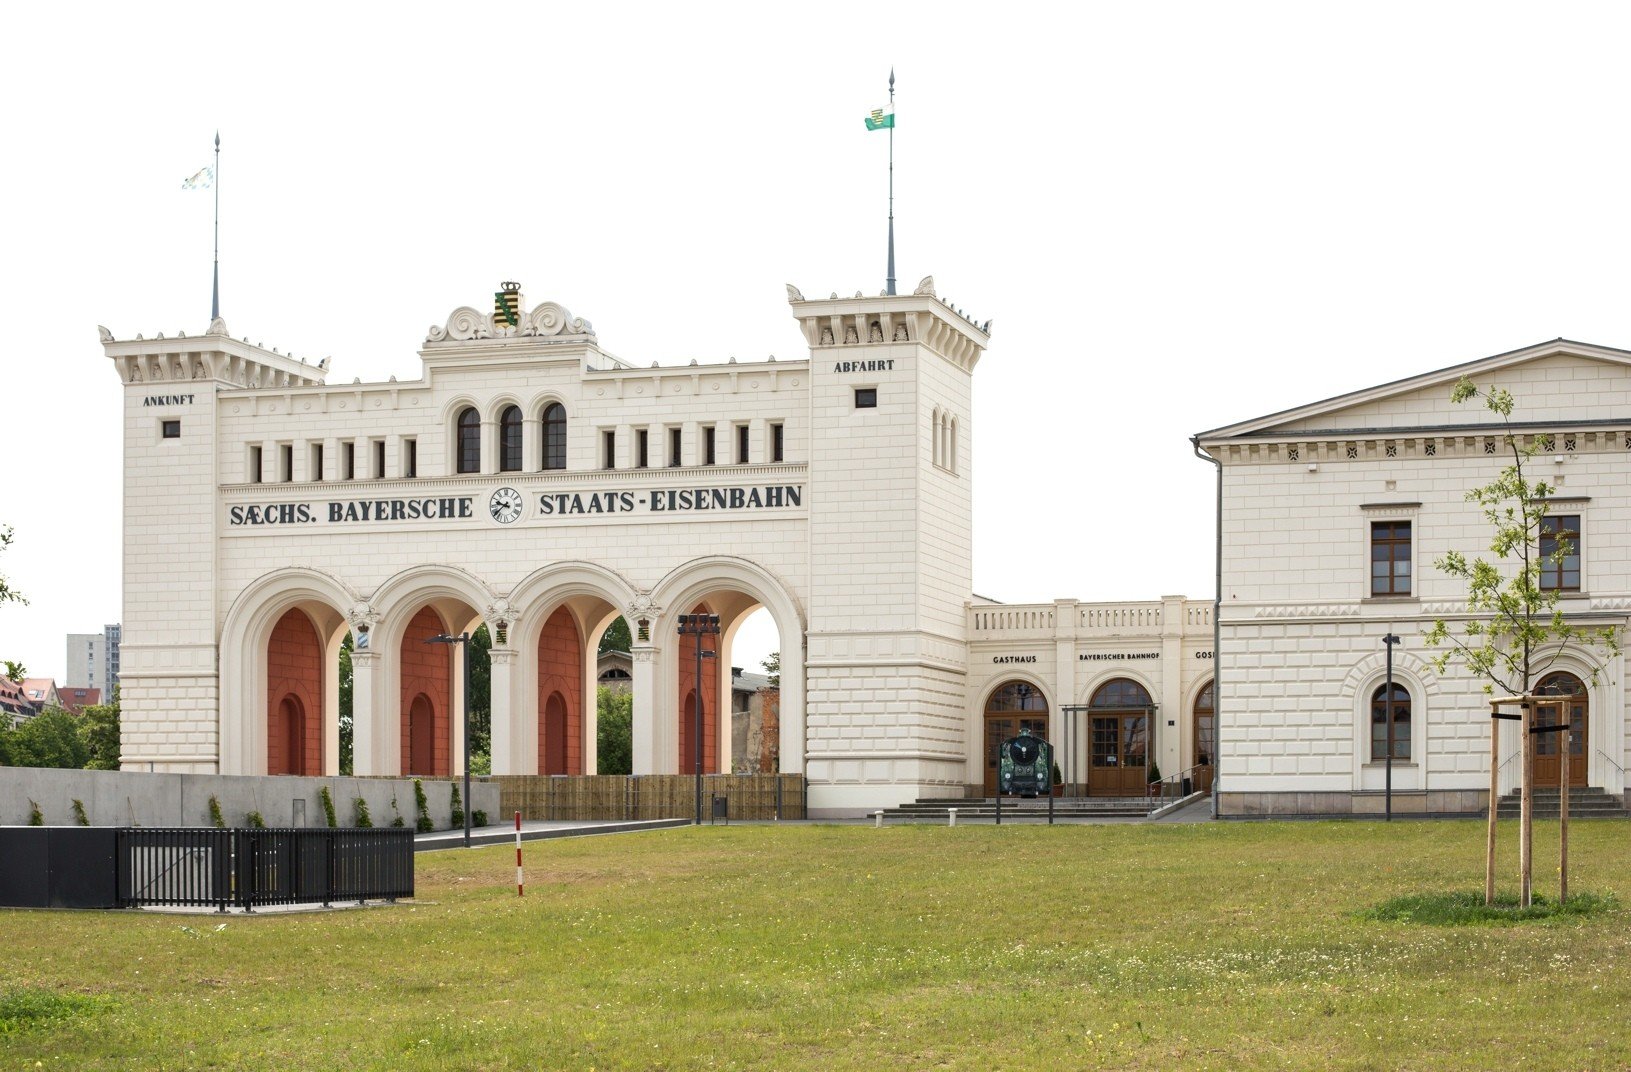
<point>1209,946</point>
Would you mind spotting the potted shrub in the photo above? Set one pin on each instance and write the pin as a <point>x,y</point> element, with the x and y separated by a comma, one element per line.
<point>1155,779</point>
<point>1058,782</point>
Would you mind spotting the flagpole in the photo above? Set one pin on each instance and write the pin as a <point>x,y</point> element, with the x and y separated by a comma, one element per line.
<point>891,278</point>
<point>215,292</point>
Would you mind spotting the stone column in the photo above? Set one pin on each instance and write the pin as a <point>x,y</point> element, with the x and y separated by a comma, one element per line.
<point>508,751</point>
<point>1172,707</point>
<point>369,738</point>
<point>653,749</point>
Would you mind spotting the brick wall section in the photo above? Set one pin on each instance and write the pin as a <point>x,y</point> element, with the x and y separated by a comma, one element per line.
<point>687,703</point>
<point>427,669</point>
<point>560,671</point>
<point>294,671</point>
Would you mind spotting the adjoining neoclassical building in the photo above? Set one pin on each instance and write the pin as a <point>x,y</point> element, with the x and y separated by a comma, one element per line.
<point>531,480</point>
<point>1332,516</point>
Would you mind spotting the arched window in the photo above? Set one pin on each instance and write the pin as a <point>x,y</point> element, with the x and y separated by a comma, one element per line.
<point>469,457</point>
<point>1383,711</point>
<point>1206,732</point>
<point>509,440</point>
<point>1121,692</point>
<point>554,436</point>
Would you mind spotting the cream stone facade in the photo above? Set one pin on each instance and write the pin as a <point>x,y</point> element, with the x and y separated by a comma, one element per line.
<point>531,480</point>
<point>1332,515</point>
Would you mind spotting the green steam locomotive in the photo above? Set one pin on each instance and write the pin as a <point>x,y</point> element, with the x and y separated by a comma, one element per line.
<point>1025,766</point>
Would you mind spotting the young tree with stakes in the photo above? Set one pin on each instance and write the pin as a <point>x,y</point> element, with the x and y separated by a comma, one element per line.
<point>1515,629</point>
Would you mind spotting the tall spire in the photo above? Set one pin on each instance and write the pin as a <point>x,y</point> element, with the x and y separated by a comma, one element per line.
<point>215,290</point>
<point>890,279</point>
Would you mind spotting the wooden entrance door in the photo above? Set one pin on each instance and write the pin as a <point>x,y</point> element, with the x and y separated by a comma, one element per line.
<point>1119,739</point>
<point>1549,746</point>
<point>1116,763</point>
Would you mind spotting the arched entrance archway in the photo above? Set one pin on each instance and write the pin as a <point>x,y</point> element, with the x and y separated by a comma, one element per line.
<point>687,693</point>
<point>427,697</point>
<point>1548,770</point>
<point>1012,708</point>
<point>1118,739</point>
<point>294,701</point>
<point>560,695</point>
<point>553,737</point>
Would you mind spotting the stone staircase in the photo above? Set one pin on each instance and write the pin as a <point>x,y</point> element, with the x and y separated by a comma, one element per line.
<point>1065,809</point>
<point>1584,803</point>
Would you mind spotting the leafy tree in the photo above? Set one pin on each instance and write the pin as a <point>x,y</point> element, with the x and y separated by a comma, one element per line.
<point>347,726</point>
<point>614,731</point>
<point>15,671</point>
<point>49,739</point>
<point>616,637</point>
<point>480,654</point>
<point>773,666</point>
<point>99,732</point>
<point>8,594</point>
<point>1512,615</point>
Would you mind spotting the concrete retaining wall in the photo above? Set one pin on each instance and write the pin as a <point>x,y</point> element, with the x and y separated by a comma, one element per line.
<point>129,798</point>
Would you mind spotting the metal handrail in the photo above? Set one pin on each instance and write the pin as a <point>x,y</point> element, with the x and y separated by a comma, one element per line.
<point>1619,769</point>
<point>1158,788</point>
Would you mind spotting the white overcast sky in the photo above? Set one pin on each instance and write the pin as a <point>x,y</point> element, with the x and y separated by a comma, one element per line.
<point>1178,215</point>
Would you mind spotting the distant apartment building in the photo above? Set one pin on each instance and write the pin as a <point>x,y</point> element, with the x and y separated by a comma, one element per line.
<point>93,659</point>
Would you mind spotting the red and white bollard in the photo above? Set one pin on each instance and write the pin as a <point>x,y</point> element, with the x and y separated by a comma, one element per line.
<point>520,877</point>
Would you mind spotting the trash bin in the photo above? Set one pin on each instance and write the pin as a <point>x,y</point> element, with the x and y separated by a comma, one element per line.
<point>722,809</point>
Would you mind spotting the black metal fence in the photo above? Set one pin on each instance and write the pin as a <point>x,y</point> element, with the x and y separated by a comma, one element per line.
<point>249,867</point>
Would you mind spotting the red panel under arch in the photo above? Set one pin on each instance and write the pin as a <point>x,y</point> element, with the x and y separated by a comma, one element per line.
<point>560,680</point>
<point>294,697</point>
<point>427,674</point>
<point>688,701</point>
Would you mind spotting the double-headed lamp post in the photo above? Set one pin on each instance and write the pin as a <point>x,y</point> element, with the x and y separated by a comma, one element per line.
<point>1387,713</point>
<point>699,626</point>
<point>462,638</point>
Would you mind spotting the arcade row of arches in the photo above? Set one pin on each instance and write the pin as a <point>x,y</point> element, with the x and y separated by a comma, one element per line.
<point>282,652</point>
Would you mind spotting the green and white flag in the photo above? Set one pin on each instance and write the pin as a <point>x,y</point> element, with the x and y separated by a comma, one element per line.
<point>202,179</point>
<point>881,118</point>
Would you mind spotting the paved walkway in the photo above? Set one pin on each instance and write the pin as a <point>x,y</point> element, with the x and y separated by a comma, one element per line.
<point>536,830</point>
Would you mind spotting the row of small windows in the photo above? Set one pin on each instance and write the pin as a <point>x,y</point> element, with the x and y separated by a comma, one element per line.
<point>709,450</point>
<point>468,439</point>
<point>1391,555</point>
<point>279,467</point>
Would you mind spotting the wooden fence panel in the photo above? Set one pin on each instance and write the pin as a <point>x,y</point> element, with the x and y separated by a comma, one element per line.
<point>619,797</point>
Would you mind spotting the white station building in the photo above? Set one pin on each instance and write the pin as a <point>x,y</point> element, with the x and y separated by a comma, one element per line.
<point>1333,514</point>
<point>530,480</point>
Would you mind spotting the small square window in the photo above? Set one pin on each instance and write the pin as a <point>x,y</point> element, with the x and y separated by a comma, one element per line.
<point>866,398</point>
<point>172,429</point>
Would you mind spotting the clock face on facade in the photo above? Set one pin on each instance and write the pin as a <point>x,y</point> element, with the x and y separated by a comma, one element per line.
<point>505,505</point>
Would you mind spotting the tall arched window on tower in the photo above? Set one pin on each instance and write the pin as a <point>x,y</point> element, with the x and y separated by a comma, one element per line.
<point>1382,710</point>
<point>509,440</point>
<point>554,436</point>
<point>469,457</point>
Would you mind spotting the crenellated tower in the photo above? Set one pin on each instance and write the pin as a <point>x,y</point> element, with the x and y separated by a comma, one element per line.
<point>890,548</point>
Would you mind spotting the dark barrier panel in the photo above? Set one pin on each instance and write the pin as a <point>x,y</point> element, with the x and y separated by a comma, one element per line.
<point>108,867</point>
<point>245,868</point>
<point>82,866</point>
<point>25,871</point>
<point>57,867</point>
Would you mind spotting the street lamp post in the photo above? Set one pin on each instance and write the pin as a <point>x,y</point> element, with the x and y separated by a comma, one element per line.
<point>464,639</point>
<point>1387,712</point>
<point>699,626</point>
